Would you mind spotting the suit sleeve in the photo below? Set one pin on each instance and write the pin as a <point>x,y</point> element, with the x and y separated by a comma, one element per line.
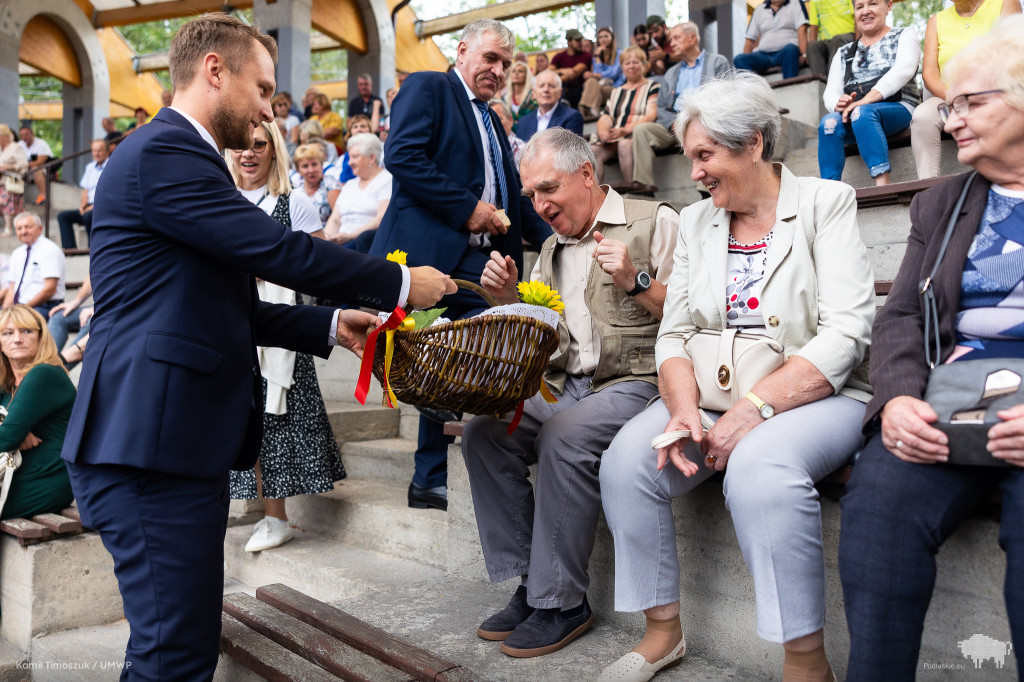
<point>300,328</point>
<point>408,156</point>
<point>192,201</point>
<point>575,123</point>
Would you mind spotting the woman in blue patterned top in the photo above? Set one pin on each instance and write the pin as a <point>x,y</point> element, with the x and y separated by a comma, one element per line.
<point>904,498</point>
<point>870,92</point>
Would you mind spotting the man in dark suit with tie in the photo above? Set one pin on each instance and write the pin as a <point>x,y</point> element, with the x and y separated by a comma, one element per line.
<point>551,111</point>
<point>170,393</point>
<point>452,169</point>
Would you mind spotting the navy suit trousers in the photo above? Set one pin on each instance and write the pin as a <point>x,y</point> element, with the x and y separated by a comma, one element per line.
<point>173,590</point>
<point>895,516</point>
<point>432,445</point>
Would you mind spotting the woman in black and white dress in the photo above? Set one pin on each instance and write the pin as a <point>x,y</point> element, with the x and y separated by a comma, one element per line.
<point>300,455</point>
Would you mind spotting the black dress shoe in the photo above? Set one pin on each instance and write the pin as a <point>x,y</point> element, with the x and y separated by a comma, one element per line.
<point>428,498</point>
<point>548,630</point>
<point>438,415</point>
<point>500,625</point>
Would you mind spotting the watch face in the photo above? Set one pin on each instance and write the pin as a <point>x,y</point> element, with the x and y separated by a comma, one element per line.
<point>644,280</point>
<point>767,411</point>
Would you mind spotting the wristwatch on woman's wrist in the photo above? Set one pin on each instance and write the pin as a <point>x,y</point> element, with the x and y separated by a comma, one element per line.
<point>766,410</point>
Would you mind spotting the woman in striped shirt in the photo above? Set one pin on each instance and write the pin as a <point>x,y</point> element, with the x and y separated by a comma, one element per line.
<point>636,101</point>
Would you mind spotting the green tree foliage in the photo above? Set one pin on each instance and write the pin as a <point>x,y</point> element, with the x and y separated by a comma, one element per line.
<point>915,13</point>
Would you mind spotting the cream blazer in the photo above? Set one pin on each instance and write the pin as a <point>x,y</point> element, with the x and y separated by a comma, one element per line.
<point>818,298</point>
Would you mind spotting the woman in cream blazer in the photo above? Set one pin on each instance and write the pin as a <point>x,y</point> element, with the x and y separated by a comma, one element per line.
<point>769,254</point>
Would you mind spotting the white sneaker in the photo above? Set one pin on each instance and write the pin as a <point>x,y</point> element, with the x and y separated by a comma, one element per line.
<point>269,533</point>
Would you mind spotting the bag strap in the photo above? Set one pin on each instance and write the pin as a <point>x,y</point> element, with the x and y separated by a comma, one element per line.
<point>927,291</point>
<point>725,359</point>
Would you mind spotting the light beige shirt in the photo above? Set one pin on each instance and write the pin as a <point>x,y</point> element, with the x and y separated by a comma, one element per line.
<point>818,298</point>
<point>573,263</point>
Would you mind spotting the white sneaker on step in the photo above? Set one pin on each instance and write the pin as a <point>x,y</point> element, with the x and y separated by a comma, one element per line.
<point>633,667</point>
<point>269,533</point>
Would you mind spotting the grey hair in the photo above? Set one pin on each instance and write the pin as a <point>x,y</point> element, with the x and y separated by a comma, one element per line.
<point>28,214</point>
<point>550,74</point>
<point>365,77</point>
<point>366,144</point>
<point>569,150</point>
<point>734,108</point>
<point>473,32</point>
<point>690,28</point>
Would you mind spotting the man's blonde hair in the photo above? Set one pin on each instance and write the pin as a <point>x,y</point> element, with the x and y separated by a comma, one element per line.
<point>216,32</point>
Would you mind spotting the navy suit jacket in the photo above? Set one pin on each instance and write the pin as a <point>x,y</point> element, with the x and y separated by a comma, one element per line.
<point>436,156</point>
<point>170,380</point>
<point>563,116</point>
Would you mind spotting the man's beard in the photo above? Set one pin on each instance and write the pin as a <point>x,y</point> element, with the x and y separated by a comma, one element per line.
<point>231,130</point>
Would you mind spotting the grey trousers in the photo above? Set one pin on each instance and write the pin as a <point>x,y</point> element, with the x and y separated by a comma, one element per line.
<point>769,489</point>
<point>648,137</point>
<point>821,52</point>
<point>546,530</point>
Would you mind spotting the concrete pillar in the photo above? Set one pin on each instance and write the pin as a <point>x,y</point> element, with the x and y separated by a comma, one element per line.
<point>723,25</point>
<point>623,16</point>
<point>288,21</point>
<point>379,60</point>
<point>85,106</point>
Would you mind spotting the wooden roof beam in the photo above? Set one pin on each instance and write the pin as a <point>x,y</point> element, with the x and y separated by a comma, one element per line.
<point>501,10</point>
<point>156,11</point>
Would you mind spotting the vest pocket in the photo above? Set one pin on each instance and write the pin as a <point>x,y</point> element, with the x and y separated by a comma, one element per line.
<point>638,353</point>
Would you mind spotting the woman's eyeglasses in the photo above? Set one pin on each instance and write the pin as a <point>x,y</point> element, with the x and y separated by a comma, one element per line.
<point>961,104</point>
<point>258,147</point>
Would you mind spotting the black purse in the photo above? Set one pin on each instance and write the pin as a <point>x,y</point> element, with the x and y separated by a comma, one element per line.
<point>859,90</point>
<point>966,394</point>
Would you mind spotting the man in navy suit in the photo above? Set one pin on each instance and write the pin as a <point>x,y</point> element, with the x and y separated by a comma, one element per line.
<point>551,112</point>
<point>170,385</point>
<point>452,169</point>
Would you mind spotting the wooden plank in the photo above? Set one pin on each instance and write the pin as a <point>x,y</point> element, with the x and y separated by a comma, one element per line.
<point>898,193</point>
<point>57,523</point>
<point>343,21</point>
<point>883,287</point>
<point>138,14</point>
<point>499,11</point>
<point>267,659</point>
<point>71,513</point>
<point>454,428</point>
<point>305,640</point>
<point>420,663</point>
<point>797,80</point>
<point>23,528</point>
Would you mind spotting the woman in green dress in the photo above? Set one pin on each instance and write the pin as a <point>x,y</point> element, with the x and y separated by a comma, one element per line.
<point>38,395</point>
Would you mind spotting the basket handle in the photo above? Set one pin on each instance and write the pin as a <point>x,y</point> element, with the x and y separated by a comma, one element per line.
<point>465,284</point>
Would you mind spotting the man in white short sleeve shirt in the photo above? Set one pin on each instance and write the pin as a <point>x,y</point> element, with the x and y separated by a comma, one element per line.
<point>40,284</point>
<point>778,31</point>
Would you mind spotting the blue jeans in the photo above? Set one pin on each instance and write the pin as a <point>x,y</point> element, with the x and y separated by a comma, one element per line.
<point>895,516</point>
<point>870,124</point>
<point>759,62</point>
<point>61,327</point>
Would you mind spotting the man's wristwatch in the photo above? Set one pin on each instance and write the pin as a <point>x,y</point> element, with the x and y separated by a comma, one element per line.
<point>766,410</point>
<point>642,284</point>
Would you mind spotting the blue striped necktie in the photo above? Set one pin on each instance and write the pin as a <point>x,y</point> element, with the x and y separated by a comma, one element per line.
<point>499,175</point>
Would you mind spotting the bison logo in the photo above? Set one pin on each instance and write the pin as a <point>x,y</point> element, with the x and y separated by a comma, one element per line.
<point>980,648</point>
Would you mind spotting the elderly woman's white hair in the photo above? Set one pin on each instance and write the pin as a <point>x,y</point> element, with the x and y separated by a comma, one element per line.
<point>1000,53</point>
<point>734,108</point>
<point>569,150</point>
<point>365,144</point>
<point>473,32</point>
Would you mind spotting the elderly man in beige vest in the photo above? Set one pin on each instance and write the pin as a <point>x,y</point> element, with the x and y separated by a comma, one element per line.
<point>609,258</point>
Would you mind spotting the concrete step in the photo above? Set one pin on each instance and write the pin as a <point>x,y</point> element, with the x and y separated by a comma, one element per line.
<point>389,458</point>
<point>14,665</point>
<point>373,514</point>
<point>804,161</point>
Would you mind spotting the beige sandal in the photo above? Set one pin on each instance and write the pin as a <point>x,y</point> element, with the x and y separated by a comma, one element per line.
<point>633,667</point>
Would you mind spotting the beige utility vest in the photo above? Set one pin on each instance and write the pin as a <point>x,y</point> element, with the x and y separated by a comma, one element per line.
<point>627,330</point>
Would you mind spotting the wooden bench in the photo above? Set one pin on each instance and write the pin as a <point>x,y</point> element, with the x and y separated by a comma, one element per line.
<point>44,527</point>
<point>284,635</point>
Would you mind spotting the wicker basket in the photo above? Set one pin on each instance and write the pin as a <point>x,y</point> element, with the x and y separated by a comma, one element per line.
<point>481,365</point>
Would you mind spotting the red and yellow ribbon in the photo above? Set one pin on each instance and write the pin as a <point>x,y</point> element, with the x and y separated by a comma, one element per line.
<point>366,367</point>
<point>545,393</point>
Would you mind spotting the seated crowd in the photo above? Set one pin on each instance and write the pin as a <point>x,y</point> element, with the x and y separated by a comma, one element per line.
<point>770,254</point>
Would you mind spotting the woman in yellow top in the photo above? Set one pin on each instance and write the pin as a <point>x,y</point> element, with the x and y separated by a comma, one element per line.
<point>330,121</point>
<point>947,33</point>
